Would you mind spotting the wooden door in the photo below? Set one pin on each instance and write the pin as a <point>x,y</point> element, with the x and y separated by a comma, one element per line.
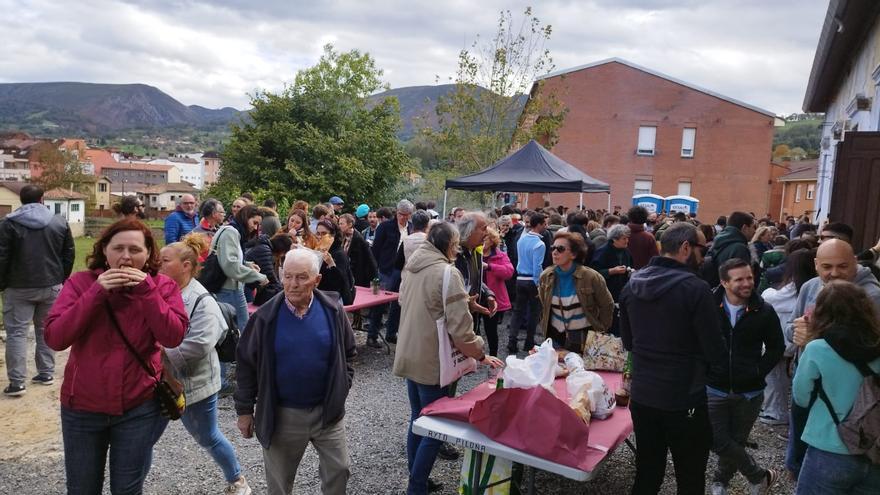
<point>855,191</point>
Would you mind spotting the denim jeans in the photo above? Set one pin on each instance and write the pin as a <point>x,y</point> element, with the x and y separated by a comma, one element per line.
<point>129,438</point>
<point>20,308</point>
<point>526,311</point>
<point>732,418</point>
<point>200,420</point>
<point>796,448</point>
<point>387,281</point>
<point>826,473</point>
<point>235,298</point>
<point>421,452</point>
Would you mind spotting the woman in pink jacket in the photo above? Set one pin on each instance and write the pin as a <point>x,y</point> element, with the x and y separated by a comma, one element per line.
<point>496,269</point>
<point>107,399</point>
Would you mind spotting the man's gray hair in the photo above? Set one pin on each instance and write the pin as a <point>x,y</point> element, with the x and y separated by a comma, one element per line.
<point>304,254</point>
<point>405,206</point>
<point>468,223</point>
<point>617,231</point>
<point>504,220</point>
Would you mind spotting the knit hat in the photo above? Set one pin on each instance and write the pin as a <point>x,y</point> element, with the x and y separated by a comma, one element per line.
<point>362,211</point>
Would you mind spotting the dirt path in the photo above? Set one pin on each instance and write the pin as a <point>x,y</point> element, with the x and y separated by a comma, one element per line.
<point>30,425</point>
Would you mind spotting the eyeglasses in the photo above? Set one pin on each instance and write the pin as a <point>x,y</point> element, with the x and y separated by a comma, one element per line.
<point>703,248</point>
<point>558,248</point>
<point>825,237</point>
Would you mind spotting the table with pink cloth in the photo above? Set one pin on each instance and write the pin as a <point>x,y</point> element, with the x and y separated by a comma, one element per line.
<point>447,419</point>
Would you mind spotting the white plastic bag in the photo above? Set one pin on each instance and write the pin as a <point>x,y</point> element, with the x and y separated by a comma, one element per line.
<point>536,369</point>
<point>602,401</point>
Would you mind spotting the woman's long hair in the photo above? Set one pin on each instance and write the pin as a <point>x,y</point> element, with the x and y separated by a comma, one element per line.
<point>800,266</point>
<point>97,260</point>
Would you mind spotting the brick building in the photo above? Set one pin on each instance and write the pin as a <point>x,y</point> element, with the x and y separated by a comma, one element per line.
<point>141,173</point>
<point>211,170</point>
<point>798,190</point>
<point>645,132</point>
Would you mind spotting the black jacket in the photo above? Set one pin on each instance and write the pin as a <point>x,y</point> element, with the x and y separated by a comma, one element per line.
<point>338,278</point>
<point>510,239</point>
<point>255,368</point>
<point>754,346</point>
<point>363,265</point>
<point>729,244</point>
<point>668,320</point>
<point>261,254</point>
<point>608,257</point>
<point>36,248</point>
<point>386,243</point>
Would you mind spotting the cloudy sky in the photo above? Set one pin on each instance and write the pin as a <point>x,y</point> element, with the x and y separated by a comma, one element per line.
<point>213,53</point>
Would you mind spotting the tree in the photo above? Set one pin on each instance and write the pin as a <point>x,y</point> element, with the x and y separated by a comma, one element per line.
<point>318,138</point>
<point>490,111</point>
<point>57,168</point>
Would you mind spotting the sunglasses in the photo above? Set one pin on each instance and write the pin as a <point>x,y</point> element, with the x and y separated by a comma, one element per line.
<point>558,248</point>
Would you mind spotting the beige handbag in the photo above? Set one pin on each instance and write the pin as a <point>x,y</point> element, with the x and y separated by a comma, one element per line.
<point>603,351</point>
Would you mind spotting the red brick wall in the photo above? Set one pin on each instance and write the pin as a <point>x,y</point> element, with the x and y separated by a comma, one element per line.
<point>776,170</point>
<point>608,103</point>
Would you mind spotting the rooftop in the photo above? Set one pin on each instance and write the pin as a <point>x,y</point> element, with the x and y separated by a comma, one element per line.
<point>149,167</point>
<point>180,187</point>
<point>662,76</point>
<point>61,193</point>
<point>803,170</point>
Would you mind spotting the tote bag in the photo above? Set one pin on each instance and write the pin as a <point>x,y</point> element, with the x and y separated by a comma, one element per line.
<point>453,364</point>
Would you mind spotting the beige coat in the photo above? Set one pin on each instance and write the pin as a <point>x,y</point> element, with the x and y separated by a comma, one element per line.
<point>416,357</point>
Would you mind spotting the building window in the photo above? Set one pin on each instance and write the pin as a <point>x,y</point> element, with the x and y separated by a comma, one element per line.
<point>684,188</point>
<point>647,139</point>
<point>688,136</point>
<point>642,187</point>
<point>74,207</point>
<point>797,194</point>
<point>102,187</point>
<point>811,189</point>
<point>57,208</point>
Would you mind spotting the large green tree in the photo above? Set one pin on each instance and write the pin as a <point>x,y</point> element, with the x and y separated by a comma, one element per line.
<point>318,137</point>
<point>490,112</point>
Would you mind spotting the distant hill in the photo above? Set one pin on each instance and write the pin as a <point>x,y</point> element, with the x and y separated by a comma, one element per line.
<point>418,106</point>
<point>86,109</point>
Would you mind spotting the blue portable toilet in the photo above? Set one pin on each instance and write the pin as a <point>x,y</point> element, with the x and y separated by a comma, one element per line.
<point>684,204</point>
<point>651,202</point>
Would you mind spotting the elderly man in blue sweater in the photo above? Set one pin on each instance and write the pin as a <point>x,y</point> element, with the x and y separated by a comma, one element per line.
<point>530,250</point>
<point>182,220</point>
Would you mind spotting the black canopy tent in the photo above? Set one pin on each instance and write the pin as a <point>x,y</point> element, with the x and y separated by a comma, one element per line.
<point>530,169</point>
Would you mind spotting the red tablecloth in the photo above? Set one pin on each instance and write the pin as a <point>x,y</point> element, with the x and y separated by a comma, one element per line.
<point>605,435</point>
<point>363,298</point>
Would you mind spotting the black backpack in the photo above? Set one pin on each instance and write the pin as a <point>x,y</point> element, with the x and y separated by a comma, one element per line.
<point>228,344</point>
<point>211,275</point>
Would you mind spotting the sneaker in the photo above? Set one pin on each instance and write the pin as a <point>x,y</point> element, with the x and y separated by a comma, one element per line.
<point>447,452</point>
<point>392,339</point>
<point>718,488</point>
<point>238,487</point>
<point>434,486</point>
<point>766,484</point>
<point>43,379</point>
<point>14,390</point>
<point>770,420</point>
<point>374,342</point>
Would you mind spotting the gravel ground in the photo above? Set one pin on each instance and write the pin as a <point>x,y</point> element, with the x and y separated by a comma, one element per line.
<point>376,422</point>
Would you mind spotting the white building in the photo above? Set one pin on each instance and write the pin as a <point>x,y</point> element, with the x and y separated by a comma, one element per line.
<point>844,84</point>
<point>69,204</point>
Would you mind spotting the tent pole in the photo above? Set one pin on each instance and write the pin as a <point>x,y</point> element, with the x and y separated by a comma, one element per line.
<point>581,201</point>
<point>443,213</point>
<point>609,202</point>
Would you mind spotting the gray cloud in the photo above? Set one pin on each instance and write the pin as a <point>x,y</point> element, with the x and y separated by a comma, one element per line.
<point>214,53</point>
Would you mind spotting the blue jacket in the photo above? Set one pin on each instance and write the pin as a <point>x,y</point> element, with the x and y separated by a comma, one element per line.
<point>530,250</point>
<point>178,225</point>
<point>385,244</point>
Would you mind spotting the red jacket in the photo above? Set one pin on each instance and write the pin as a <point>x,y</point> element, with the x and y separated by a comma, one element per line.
<point>642,246</point>
<point>102,375</point>
<point>500,269</point>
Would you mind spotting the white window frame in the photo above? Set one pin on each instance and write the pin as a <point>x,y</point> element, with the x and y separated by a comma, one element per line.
<point>797,193</point>
<point>642,190</point>
<point>690,184</point>
<point>74,206</point>
<point>811,190</point>
<point>688,142</point>
<point>647,135</point>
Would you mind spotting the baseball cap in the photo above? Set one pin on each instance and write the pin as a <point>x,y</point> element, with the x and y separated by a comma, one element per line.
<point>336,200</point>
<point>362,211</point>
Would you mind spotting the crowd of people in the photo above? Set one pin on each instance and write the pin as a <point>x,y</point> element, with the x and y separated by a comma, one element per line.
<point>723,322</point>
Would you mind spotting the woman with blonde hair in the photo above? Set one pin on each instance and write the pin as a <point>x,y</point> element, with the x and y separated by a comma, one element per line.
<point>497,269</point>
<point>195,360</point>
<point>761,243</point>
